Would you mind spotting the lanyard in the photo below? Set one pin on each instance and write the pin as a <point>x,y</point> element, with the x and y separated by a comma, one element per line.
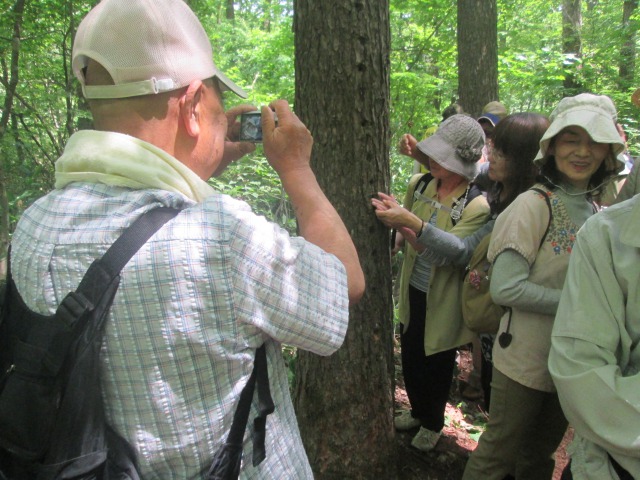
<point>454,212</point>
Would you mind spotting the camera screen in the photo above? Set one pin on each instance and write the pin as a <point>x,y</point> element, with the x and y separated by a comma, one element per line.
<point>250,127</point>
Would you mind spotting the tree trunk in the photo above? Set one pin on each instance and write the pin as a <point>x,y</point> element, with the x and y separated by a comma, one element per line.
<point>10,89</point>
<point>572,45</point>
<point>268,12</point>
<point>344,402</point>
<point>477,54</point>
<point>628,51</point>
<point>230,13</point>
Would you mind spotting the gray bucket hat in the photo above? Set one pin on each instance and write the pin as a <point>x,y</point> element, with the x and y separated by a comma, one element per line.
<point>596,114</point>
<point>456,146</point>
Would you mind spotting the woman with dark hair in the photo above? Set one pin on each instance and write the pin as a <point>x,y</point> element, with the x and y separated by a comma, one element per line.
<point>529,249</point>
<point>510,171</point>
<point>516,141</point>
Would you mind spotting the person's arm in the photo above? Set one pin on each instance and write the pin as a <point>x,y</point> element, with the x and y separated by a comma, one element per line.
<point>288,150</point>
<point>407,146</point>
<point>438,246</point>
<point>448,249</point>
<point>510,286</point>
<point>589,344</point>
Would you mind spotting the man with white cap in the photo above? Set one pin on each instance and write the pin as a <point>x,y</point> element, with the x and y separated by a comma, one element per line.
<point>214,283</point>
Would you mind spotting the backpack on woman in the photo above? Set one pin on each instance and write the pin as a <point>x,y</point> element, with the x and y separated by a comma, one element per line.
<point>479,312</point>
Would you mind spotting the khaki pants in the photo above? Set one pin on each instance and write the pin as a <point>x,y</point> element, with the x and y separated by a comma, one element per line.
<point>524,430</point>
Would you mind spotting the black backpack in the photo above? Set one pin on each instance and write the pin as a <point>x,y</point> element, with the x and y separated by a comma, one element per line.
<point>52,421</point>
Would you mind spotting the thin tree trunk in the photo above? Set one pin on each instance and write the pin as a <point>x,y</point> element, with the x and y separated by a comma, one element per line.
<point>344,402</point>
<point>572,45</point>
<point>628,51</point>
<point>230,13</point>
<point>10,82</point>
<point>266,23</point>
<point>477,54</point>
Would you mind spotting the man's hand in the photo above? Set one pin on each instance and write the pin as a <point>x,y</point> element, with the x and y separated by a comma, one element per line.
<point>288,150</point>
<point>287,146</point>
<point>234,150</point>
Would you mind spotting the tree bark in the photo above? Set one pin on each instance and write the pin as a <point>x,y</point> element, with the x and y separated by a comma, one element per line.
<point>477,54</point>
<point>344,402</point>
<point>267,8</point>
<point>230,11</point>
<point>628,51</point>
<point>572,45</point>
<point>10,81</point>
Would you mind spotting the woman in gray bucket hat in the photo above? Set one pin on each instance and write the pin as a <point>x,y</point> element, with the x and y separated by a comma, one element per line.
<point>530,247</point>
<point>429,305</point>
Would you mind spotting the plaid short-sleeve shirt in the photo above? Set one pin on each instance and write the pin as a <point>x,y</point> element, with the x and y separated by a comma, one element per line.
<point>193,305</point>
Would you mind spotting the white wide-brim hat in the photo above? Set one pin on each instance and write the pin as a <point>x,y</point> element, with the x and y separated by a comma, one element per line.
<point>596,114</point>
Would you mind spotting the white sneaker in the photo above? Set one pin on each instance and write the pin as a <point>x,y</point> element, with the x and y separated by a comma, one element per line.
<point>425,440</point>
<point>405,421</point>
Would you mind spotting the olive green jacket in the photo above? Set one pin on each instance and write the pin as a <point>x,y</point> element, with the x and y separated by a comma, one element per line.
<point>444,328</point>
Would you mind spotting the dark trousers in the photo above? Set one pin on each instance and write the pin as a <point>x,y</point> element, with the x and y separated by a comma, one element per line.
<point>427,378</point>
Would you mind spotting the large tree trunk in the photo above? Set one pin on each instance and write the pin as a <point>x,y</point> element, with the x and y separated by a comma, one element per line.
<point>572,45</point>
<point>477,54</point>
<point>345,402</point>
<point>628,51</point>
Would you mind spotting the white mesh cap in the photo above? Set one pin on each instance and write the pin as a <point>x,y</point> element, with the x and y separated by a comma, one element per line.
<point>147,46</point>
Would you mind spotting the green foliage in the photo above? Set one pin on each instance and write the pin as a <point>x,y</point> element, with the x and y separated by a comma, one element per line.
<point>256,50</point>
<point>255,182</point>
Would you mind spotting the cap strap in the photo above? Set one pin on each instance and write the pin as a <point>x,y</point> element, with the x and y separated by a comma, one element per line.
<point>125,90</point>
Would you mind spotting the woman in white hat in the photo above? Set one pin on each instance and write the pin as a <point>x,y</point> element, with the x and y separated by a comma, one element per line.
<point>429,306</point>
<point>530,248</point>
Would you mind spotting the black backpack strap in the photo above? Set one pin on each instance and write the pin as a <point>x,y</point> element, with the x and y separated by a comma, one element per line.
<point>227,459</point>
<point>104,271</point>
<point>421,186</point>
<point>124,248</point>
<point>259,376</point>
<point>265,406</point>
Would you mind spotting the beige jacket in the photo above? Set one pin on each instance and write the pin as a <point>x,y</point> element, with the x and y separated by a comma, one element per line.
<point>521,227</point>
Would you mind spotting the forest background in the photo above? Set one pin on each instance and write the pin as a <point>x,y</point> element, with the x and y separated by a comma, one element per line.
<point>427,54</point>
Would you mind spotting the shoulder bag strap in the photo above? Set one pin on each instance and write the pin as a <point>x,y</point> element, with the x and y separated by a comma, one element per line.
<point>125,247</point>
<point>260,376</point>
<point>548,201</point>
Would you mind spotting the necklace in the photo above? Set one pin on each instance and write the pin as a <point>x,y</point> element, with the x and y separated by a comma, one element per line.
<point>576,194</point>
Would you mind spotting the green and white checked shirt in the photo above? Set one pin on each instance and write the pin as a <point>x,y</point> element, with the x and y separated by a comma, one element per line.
<point>193,305</point>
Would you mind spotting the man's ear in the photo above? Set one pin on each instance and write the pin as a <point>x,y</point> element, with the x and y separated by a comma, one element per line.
<point>190,106</point>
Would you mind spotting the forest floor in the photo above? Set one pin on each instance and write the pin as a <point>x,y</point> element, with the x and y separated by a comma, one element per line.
<point>465,421</point>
